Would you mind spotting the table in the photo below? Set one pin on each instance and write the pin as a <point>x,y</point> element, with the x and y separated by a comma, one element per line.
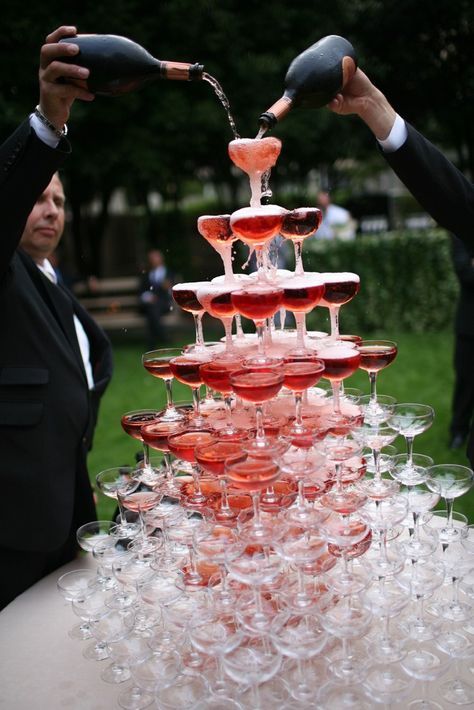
<point>42,668</point>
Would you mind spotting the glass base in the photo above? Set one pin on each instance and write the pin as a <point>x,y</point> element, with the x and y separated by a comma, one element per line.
<point>458,692</point>
<point>135,699</point>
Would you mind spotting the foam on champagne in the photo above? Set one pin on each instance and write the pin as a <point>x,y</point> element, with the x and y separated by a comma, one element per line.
<point>340,277</point>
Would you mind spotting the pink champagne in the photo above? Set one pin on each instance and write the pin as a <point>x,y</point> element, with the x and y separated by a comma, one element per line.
<point>184,295</point>
<point>340,288</point>
<point>255,226</point>
<point>213,457</point>
<point>183,444</point>
<point>253,474</point>
<point>339,362</point>
<point>258,386</point>
<point>216,229</point>
<point>156,434</point>
<point>186,369</point>
<point>302,293</point>
<point>301,223</point>
<point>377,356</point>
<point>298,376</point>
<point>159,367</point>
<point>141,500</point>
<point>258,302</point>
<point>132,422</point>
<point>254,156</point>
<point>217,375</point>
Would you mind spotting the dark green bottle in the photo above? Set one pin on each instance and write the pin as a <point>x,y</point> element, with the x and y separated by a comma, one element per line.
<point>314,77</point>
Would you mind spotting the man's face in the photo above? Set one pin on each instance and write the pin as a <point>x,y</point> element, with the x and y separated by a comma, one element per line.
<point>45,225</point>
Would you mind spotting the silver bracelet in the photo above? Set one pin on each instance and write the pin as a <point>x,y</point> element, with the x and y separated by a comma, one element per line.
<point>46,122</point>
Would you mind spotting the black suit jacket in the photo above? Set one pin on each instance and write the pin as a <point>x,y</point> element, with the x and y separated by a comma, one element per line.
<point>442,190</point>
<point>464,268</point>
<point>47,413</point>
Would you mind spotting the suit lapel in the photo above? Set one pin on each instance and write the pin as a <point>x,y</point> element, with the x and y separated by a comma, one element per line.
<point>60,305</point>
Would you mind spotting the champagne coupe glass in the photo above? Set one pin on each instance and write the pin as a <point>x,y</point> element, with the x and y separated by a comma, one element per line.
<point>340,288</point>
<point>141,500</point>
<point>132,423</point>
<point>255,157</point>
<point>258,301</point>
<point>215,636</point>
<point>77,586</point>
<point>457,563</point>
<point>217,544</point>
<point>183,445</point>
<point>213,458</point>
<point>347,619</point>
<point>254,475</point>
<point>156,362</point>
<point>410,420</point>
<point>307,471</point>
<point>426,664</point>
<point>376,437</point>
<point>420,501</point>
<point>256,227</point>
<point>185,691</point>
<point>382,516</point>
<point>110,628</point>
<point>298,377</point>
<point>186,369</point>
<point>256,662</point>
<point>420,463</point>
<point>184,295</point>
<point>150,672</point>
<point>340,362</point>
<point>300,637</point>
<point>195,574</point>
<point>257,387</point>
<point>300,295</point>
<point>386,599</point>
<point>381,412</point>
<point>115,483</point>
<point>298,225</point>
<point>216,230</point>
<point>421,580</point>
<point>340,498</point>
<point>346,533</point>
<point>375,355</point>
<point>216,300</point>
<point>216,375</point>
<point>450,481</point>
<point>155,435</point>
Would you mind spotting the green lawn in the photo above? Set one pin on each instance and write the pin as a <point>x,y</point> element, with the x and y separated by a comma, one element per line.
<point>422,372</point>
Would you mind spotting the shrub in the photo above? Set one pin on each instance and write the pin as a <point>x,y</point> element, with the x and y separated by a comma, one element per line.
<point>407,280</point>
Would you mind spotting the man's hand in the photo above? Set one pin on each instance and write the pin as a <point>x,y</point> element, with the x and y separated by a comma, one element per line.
<point>361,97</point>
<point>56,98</point>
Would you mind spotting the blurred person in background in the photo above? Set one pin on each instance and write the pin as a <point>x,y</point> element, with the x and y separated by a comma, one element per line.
<point>55,362</point>
<point>155,298</point>
<point>337,222</point>
<point>439,187</point>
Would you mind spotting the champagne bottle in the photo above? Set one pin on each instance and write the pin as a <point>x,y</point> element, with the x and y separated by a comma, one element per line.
<point>314,77</point>
<point>118,65</point>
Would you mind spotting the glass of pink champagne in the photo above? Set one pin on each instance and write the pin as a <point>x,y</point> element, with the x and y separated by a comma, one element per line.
<point>256,226</point>
<point>258,302</point>
<point>216,300</point>
<point>256,158</point>
<point>257,387</point>
<point>216,230</point>
<point>186,369</point>
<point>340,288</point>
<point>184,295</point>
<point>341,360</point>
<point>300,295</point>
<point>297,226</point>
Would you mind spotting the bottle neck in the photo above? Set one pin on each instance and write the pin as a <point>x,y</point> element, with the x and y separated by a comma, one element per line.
<point>276,112</point>
<point>180,71</point>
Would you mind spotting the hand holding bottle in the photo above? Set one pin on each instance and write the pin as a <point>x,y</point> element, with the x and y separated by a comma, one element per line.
<point>361,97</point>
<point>56,98</point>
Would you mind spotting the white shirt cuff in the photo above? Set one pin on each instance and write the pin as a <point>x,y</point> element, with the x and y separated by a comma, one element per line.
<point>43,132</point>
<point>397,136</point>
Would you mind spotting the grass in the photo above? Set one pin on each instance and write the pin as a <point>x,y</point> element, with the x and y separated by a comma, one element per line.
<point>422,372</point>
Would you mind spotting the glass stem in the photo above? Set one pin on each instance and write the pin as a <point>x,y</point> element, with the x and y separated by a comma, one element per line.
<point>298,247</point>
<point>260,435</point>
<point>169,393</point>
<point>449,508</point>
<point>198,327</point>
<point>300,319</point>
<point>334,316</point>
<point>196,401</point>
<point>260,326</point>
<point>409,442</point>
<point>146,456</point>
<point>224,496</point>
<point>299,408</point>
<point>336,384</point>
<point>229,344</point>
<point>238,325</point>
<point>256,507</point>
<point>373,386</point>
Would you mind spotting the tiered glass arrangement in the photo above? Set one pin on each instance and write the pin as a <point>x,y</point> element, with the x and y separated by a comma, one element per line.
<point>284,550</point>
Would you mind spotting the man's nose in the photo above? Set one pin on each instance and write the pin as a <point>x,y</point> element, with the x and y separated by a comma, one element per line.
<point>51,208</point>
